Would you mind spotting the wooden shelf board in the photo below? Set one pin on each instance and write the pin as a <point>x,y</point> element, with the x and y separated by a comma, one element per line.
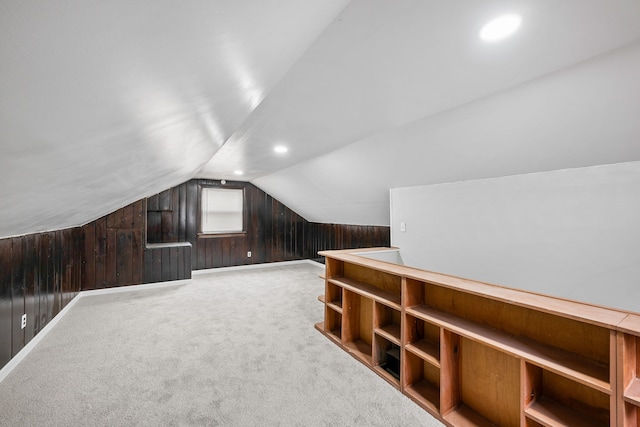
<point>465,416</point>
<point>390,332</point>
<point>557,361</point>
<point>632,393</point>
<point>588,313</point>
<point>335,305</point>
<point>630,324</point>
<point>425,394</point>
<point>426,351</point>
<point>321,298</point>
<point>335,335</point>
<point>360,350</point>
<point>322,276</point>
<point>551,414</point>
<point>319,326</point>
<point>369,291</point>
<point>387,376</point>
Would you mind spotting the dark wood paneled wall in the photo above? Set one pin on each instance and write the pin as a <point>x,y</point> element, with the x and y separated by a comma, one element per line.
<point>113,248</point>
<point>163,264</point>
<point>273,231</point>
<point>39,275</point>
<point>340,236</point>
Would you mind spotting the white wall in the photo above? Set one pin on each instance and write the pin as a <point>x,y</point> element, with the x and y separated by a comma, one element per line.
<point>572,233</point>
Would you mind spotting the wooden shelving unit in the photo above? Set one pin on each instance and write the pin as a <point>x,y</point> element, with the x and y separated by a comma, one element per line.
<point>474,354</point>
<point>629,372</point>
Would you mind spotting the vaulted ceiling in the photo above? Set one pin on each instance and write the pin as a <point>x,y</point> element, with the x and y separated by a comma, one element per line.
<point>103,103</point>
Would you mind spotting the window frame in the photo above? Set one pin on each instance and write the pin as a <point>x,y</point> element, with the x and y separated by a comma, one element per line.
<point>213,234</point>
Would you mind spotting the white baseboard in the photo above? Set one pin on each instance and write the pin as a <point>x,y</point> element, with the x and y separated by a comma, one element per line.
<point>15,360</point>
<point>254,266</point>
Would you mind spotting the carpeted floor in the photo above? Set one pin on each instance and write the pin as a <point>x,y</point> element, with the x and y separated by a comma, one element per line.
<point>231,348</point>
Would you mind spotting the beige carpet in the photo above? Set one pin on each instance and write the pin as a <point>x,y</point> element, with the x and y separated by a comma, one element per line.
<point>231,349</point>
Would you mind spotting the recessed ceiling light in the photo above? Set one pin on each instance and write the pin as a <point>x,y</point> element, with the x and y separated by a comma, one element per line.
<point>500,27</point>
<point>238,172</point>
<point>280,149</point>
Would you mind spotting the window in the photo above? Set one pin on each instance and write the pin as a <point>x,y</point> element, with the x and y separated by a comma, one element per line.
<point>221,210</point>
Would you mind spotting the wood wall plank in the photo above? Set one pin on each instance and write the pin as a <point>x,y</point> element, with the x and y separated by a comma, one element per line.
<point>89,259</point>
<point>111,258</point>
<point>17,294</point>
<point>148,267</point>
<point>164,202</point>
<point>157,265</point>
<point>100,254</point>
<point>137,253</point>
<point>30,278</point>
<point>182,213</point>
<point>6,310</point>
<point>174,255</point>
<point>192,220</point>
<point>154,227</point>
<point>153,203</point>
<point>47,247</point>
<point>124,257</point>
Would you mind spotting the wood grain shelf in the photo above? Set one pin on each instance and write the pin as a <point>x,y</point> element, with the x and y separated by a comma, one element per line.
<point>335,305</point>
<point>368,291</point>
<point>465,416</point>
<point>426,351</point>
<point>360,350</point>
<point>335,335</point>
<point>321,298</point>
<point>562,363</point>
<point>425,394</point>
<point>632,393</point>
<point>390,332</point>
<point>387,376</point>
<point>552,414</point>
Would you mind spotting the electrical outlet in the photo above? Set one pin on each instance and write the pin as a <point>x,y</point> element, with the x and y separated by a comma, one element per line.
<point>24,321</point>
<point>249,254</point>
<point>403,226</point>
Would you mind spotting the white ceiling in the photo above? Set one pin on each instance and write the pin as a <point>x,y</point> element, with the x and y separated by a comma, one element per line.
<point>103,103</point>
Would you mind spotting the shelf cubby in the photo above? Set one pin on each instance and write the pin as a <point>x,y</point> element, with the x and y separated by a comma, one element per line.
<point>413,292</point>
<point>387,359</point>
<point>559,401</point>
<point>488,381</point>
<point>333,324</point>
<point>387,322</point>
<point>333,268</point>
<point>357,327</point>
<point>422,382</point>
<point>465,416</point>
<point>423,339</point>
<point>370,291</point>
<point>586,371</point>
<point>333,296</point>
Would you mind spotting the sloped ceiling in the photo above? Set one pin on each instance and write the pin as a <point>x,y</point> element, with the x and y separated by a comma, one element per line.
<point>102,103</point>
<point>105,102</point>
